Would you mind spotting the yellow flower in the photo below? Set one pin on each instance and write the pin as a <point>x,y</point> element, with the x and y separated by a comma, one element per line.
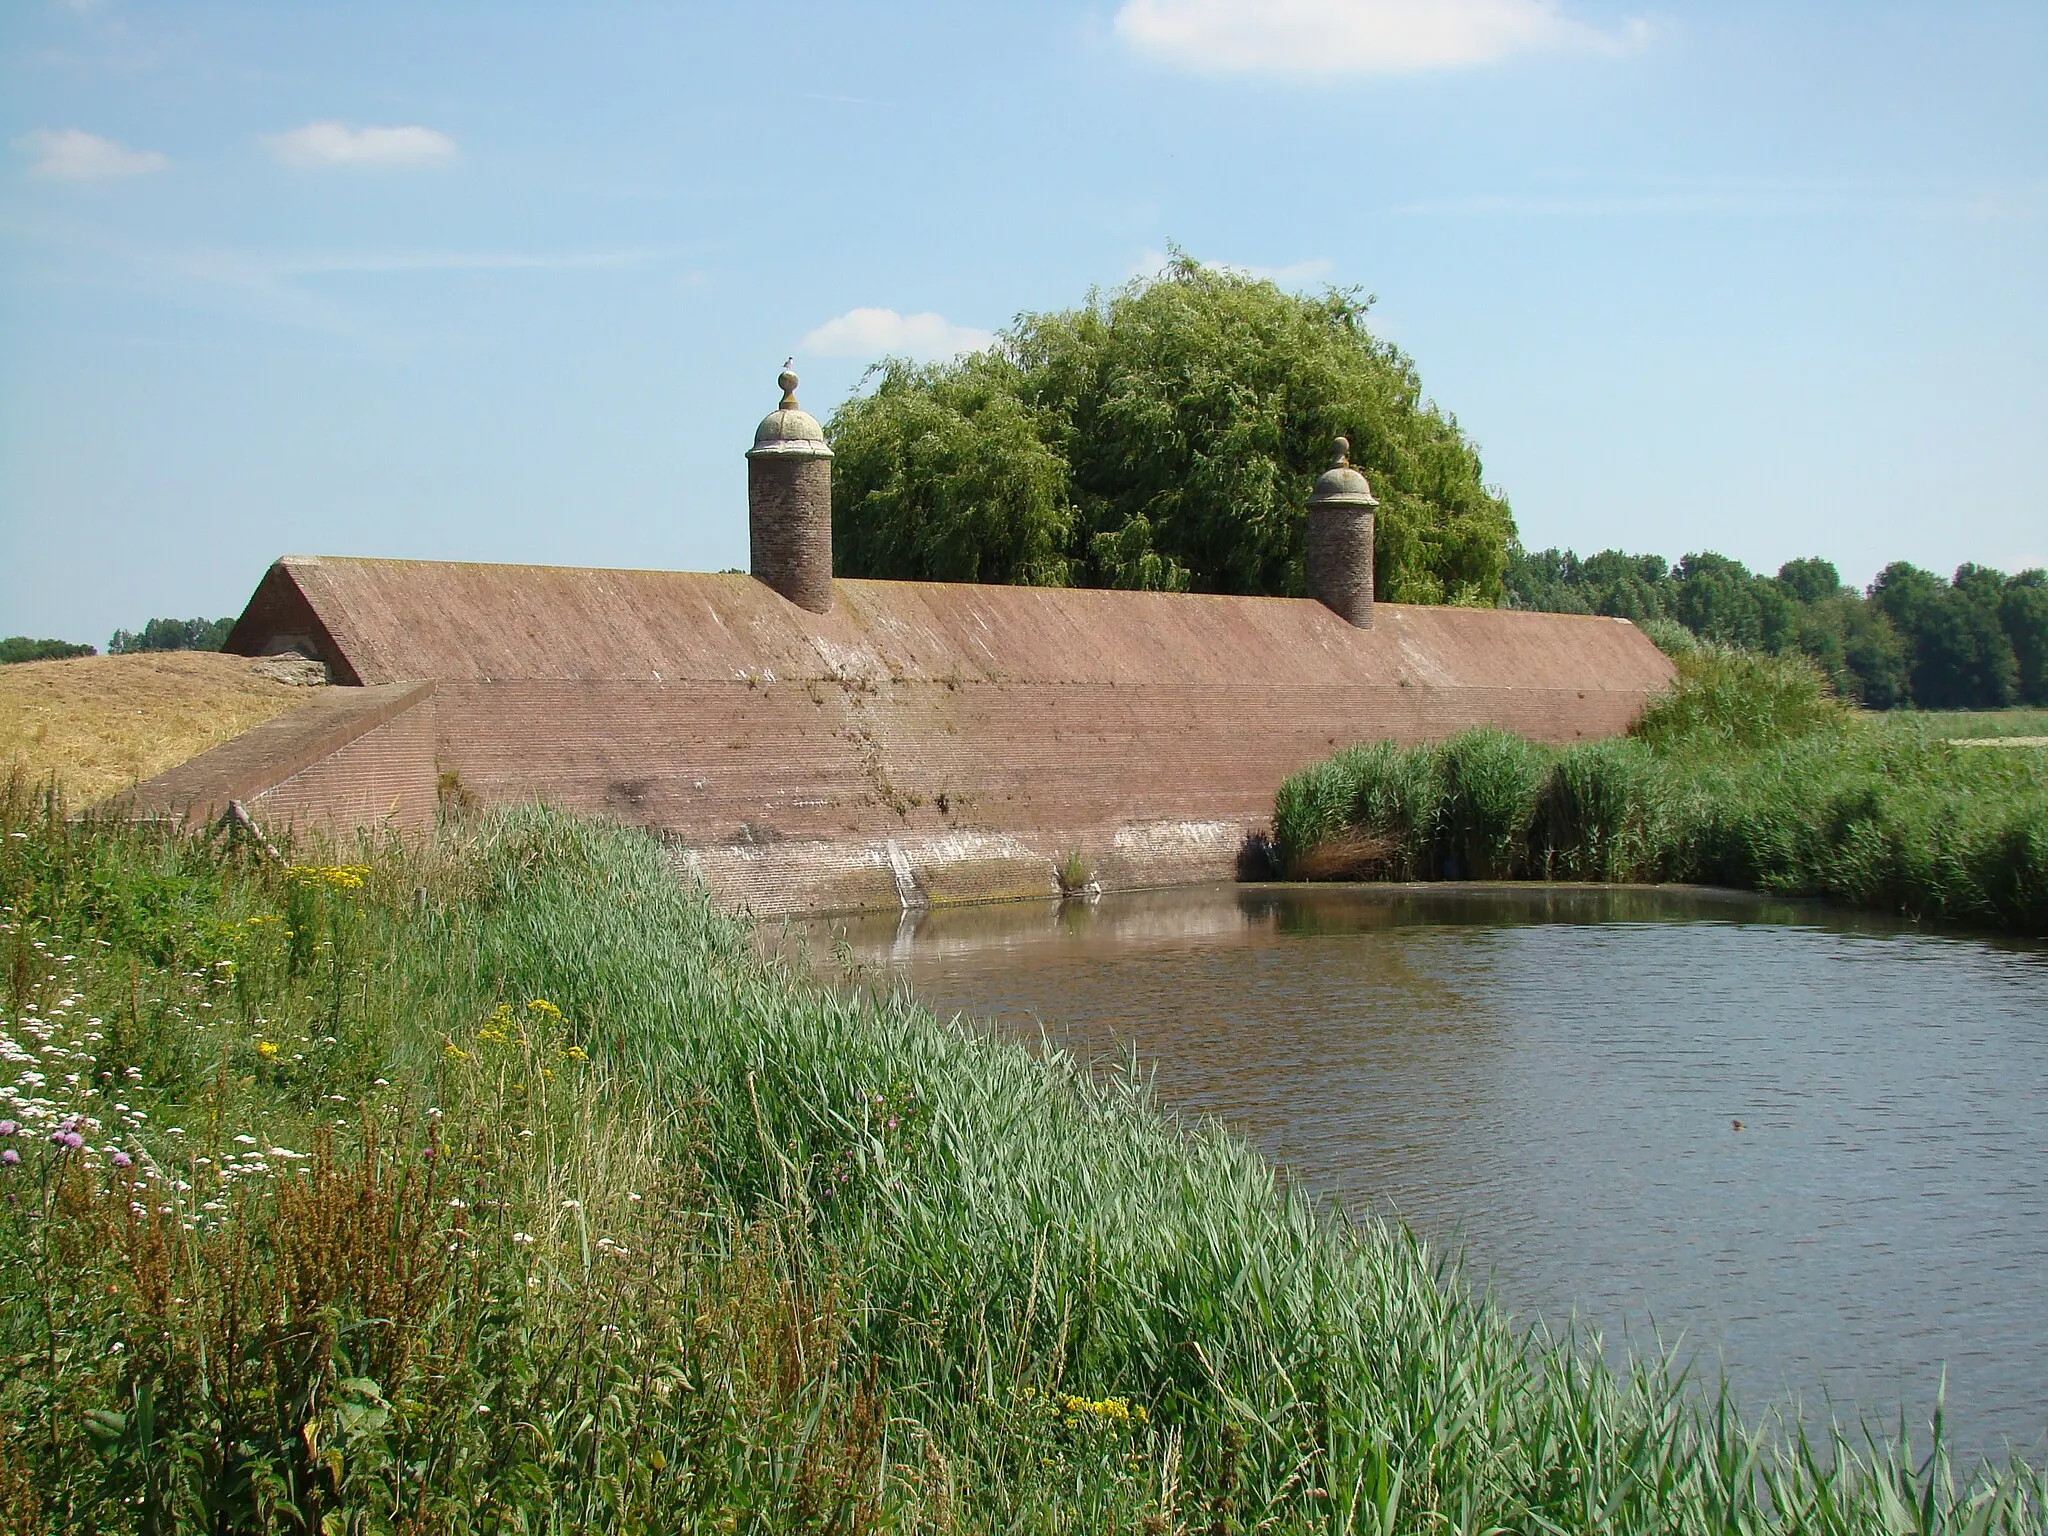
<point>336,877</point>
<point>542,1006</point>
<point>492,1035</point>
<point>266,1047</point>
<point>1109,1410</point>
<point>576,1053</point>
<point>455,1052</point>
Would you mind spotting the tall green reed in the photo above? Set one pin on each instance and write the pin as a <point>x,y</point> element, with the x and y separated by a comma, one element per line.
<point>1748,774</point>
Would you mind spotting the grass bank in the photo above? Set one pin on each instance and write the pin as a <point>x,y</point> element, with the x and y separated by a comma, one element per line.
<point>101,723</point>
<point>495,1184</point>
<point>1749,774</point>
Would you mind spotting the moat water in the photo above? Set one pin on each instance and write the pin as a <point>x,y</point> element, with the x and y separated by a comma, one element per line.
<point>1803,1146</point>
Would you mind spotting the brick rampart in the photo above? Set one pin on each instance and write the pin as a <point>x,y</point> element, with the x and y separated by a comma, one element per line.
<point>387,777</point>
<point>341,759</point>
<point>919,742</point>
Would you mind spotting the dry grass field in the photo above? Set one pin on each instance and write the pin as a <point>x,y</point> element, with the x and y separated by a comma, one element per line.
<point>101,723</point>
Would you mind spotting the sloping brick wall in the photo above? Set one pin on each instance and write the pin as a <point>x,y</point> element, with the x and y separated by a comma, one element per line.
<point>919,742</point>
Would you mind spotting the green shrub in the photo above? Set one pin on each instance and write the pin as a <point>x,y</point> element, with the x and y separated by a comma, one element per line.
<point>1603,814</point>
<point>22,648</point>
<point>1370,809</point>
<point>1491,781</point>
<point>1747,775</point>
<point>1669,636</point>
<point>1730,699</point>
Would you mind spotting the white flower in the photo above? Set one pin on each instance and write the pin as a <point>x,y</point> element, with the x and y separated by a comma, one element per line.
<point>245,1141</point>
<point>523,1239</point>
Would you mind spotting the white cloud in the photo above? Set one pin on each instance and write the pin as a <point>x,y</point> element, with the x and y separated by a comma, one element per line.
<point>323,144</point>
<point>1327,38</point>
<point>871,333</point>
<point>72,154</point>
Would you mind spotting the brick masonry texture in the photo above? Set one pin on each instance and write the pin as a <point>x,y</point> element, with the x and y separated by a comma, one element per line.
<point>919,741</point>
<point>789,503</point>
<point>1340,561</point>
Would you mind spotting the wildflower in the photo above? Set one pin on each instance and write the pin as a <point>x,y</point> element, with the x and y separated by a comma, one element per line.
<point>544,1008</point>
<point>266,1048</point>
<point>576,1053</point>
<point>123,1160</point>
<point>8,1128</point>
<point>454,1052</point>
<point>572,1205</point>
<point>523,1239</point>
<point>245,1141</point>
<point>10,1157</point>
<point>381,1083</point>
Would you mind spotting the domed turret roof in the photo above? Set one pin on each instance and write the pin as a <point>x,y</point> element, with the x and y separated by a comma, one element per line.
<point>1340,485</point>
<point>789,429</point>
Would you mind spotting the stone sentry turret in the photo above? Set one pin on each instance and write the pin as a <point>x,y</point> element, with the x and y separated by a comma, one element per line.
<point>789,502</point>
<point>1340,540</point>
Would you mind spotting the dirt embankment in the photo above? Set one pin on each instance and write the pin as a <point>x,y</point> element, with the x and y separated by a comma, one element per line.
<point>101,723</point>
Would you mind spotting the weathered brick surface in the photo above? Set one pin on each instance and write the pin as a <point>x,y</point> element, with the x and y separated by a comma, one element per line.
<point>384,778</point>
<point>300,741</point>
<point>919,741</point>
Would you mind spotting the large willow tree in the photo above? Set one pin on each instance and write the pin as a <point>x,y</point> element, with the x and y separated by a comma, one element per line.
<point>1164,437</point>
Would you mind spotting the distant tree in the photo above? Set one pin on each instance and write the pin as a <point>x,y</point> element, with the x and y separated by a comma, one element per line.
<point>1810,581</point>
<point>21,648</point>
<point>944,477</point>
<point>1901,589</point>
<point>1719,600</point>
<point>1959,653</point>
<point>172,635</point>
<point>2023,612</point>
<point>1875,668</point>
<point>1166,436</point>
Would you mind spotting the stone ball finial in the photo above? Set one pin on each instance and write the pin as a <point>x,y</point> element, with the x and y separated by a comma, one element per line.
<point>787,379</point>
<point>1343,453</point>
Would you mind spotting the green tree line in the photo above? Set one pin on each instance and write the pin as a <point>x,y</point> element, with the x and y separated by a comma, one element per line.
<point>156,635</point>
<point>1978,640</point>
<point>1163,437</point>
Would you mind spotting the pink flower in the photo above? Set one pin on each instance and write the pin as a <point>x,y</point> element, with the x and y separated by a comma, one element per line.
<point>10,1157</point>
<point>123,1160</point>
<point>8,1127</point>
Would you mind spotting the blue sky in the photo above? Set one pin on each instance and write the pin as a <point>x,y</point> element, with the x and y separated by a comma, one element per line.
<point>512,282</point>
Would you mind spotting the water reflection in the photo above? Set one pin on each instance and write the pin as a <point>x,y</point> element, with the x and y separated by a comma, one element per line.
<point>1552,1079</point>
